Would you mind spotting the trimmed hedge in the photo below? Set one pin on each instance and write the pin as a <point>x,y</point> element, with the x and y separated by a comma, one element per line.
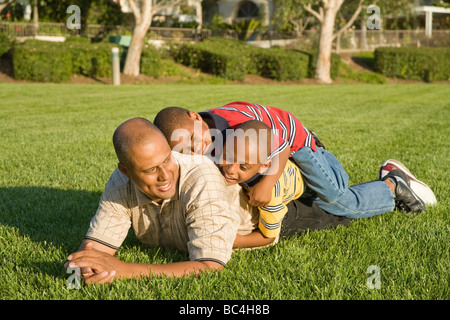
<point>55,61</point>
<point>214,56</point>
<point>41,61</point>
<point>233,59</point>
<point>281,65</point>
<point>92,60</point>
<point>230,59</point>
<point>426,64</point>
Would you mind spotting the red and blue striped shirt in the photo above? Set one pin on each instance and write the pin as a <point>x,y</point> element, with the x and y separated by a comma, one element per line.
<point>287,129</point>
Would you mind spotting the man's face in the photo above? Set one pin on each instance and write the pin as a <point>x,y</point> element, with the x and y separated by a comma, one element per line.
<point>238,165</point>
<point>153,169</point>
<point>192,137</point>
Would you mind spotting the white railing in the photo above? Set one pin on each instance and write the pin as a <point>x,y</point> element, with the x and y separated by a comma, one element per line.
<point>351,40</point>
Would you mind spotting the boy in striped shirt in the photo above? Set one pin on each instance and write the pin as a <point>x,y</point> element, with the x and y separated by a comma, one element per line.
<point>289,136</point>
<point>245,159</point>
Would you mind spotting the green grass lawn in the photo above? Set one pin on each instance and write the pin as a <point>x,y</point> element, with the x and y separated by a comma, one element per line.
<point>56,154</point>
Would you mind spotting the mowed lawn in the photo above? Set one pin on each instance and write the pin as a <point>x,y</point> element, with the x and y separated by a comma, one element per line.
<point>56,154</point>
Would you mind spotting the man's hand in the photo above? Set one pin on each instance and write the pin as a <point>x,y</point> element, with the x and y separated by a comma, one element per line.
<point>89,244</point>
<point>96,266</point>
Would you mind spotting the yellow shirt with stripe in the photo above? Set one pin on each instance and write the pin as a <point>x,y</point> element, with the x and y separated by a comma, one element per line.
<point>289,186</point>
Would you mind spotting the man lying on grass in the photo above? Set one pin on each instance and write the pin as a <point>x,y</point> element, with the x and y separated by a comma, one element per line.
<point>171,200</point>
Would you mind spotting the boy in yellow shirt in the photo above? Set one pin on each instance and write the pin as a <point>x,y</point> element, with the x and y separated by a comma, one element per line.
<point>245,159</point>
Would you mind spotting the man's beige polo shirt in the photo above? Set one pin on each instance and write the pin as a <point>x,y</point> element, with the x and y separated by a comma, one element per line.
<point>202,218</point>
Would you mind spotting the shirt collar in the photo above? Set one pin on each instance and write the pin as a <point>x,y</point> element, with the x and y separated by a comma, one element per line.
<point>252,181</point>
<point>220,123</point>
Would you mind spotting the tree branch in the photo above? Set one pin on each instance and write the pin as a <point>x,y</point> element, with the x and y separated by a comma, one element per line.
<point>164,5</point>
<point>136,11</point>
<point>4,4</point>
<point>350,22</point>
<point>316,14</point>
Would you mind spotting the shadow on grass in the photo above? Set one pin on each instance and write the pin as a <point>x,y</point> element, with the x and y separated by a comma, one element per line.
<point>365,62</point>
<point>60,218</point>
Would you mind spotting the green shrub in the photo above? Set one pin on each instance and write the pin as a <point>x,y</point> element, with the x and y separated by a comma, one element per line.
<point>334,68</point>
<point>42,61</point>
<point>188,54</point>
<point>150,61</point>
<point>170,68</point>
<point>281,64</point>
<point>214,56</point>
<point>233,59</point>
<point>55,62</point>
<point>92,60</point>
<point>426,64</point>
<point>6,44</point>
<point>225,65</point>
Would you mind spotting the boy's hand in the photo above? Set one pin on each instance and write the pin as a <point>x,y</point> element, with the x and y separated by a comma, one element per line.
<point>261,194</point>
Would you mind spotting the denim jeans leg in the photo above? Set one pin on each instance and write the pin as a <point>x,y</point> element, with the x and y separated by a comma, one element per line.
<point>322,172</point>
<point>361,201</point>
<point>327,179</point>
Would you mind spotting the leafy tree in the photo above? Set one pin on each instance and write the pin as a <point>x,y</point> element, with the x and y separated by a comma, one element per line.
<point>291,14</point>
<point>325,11</point>
<point>143,12</point>
<point>4,4</point>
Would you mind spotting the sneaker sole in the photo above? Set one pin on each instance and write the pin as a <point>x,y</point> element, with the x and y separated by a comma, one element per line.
<point>420,188</point>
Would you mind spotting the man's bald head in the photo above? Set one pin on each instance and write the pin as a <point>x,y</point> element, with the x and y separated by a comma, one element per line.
<point>135,131</point>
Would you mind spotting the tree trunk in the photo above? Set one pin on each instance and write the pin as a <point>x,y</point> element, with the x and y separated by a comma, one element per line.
<point>325,43</point>
<point>133,61</point>
<point>143,18</point>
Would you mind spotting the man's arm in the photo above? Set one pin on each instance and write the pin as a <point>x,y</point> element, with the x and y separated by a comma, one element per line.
<point>97,246</point>
<point>106,267</point>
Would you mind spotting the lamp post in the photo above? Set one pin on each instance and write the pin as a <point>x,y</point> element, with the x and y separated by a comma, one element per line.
<point>115,66</point>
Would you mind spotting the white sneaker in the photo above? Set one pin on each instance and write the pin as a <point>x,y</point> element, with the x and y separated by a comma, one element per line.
<point>420,188</point>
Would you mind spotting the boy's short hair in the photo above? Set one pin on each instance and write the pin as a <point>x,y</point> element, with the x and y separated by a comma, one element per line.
<point>169,119</point>
<point>264,136</point>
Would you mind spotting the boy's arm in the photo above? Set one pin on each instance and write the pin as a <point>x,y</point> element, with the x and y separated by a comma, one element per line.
<point>254,239</point>
<point>261,192</point>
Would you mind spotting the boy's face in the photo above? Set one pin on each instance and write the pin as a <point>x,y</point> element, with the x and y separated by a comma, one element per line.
<point>192,137</point>
<point>238,164</point>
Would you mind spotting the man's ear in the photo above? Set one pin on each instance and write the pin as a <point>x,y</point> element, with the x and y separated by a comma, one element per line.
<point>264,167</point>
<point>123,169</point>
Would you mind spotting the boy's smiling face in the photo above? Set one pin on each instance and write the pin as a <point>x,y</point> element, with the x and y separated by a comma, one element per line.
<point>240,162</point>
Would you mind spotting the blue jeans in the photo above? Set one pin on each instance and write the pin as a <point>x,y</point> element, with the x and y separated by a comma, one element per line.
<point>328,187</point>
